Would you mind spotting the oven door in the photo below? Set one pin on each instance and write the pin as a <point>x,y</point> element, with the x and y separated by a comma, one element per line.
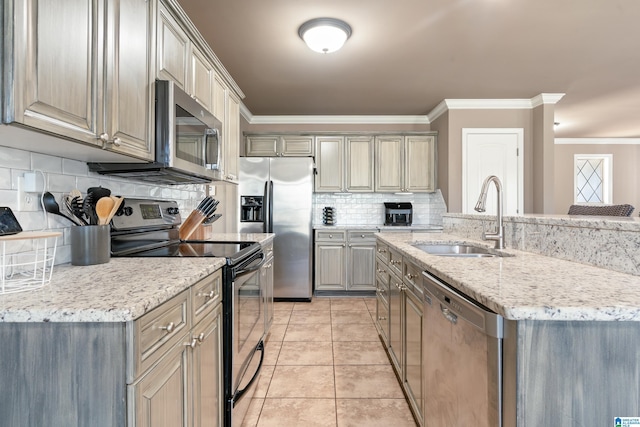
<point>247,332</point>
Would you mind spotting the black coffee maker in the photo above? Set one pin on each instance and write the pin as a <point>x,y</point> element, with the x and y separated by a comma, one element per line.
<point>398,213</point>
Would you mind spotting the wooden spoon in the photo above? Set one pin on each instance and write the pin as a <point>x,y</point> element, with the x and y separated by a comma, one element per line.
<point>103,209</point>
<point>117,201</point>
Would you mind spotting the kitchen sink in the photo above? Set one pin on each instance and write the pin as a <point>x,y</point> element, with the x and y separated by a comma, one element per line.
<point>456,250</point>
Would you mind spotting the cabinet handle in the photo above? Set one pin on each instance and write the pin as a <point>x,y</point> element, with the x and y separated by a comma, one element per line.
<point>394,262</point>
<point>343,245</point>
<point>331,236</point>
<point>381,291</point>
<point>362,235</point>
<point>382,318</point>
<point>169,328</point>
<point>350,245</point>
<point>201,337</point>
<point>382,251</point>
<point>382,271</point>
<point>206,295</point>
<point>104,137</point>
<point>411,276</point>
<point>192,344</point>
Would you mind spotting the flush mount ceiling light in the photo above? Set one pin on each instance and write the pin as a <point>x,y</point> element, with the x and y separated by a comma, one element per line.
<point>324,35</point>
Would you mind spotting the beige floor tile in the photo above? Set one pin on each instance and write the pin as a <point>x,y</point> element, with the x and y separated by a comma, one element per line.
<point>374,413</point>
<point>359,353</point>
<point>354,332</point>
<point>308,332</point>
<point>306,353</point>
<point>271,352</point>
<point>281,317</point>
<point>262,386</point>
<point>283,306</point>
<point>253,413</point>
<point>353,303</point>
<point>366,381</point>
<point>311,317</point>
<point>351,316</point>
<point>276,333</point>
<point>302,381</point>
<point>298,412</point>
<point>371,305</point>
<point>315,304</point>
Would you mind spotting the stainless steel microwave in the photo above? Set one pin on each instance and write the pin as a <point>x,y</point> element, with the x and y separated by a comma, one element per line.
<point>188,142</point>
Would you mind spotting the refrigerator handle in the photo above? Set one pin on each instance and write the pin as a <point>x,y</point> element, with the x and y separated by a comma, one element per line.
<point>268,206</point>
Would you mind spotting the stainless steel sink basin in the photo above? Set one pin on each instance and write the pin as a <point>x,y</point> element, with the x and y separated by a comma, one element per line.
<point>455,250</point>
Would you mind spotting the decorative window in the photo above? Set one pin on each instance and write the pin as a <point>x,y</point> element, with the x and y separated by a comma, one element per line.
<point>593,179</point>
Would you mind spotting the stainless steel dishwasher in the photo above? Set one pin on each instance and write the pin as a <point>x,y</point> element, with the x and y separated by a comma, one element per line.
<point>462,359</point>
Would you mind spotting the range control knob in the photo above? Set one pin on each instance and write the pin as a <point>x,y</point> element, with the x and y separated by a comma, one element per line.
<point>173,211</point>
<point>128,211</point>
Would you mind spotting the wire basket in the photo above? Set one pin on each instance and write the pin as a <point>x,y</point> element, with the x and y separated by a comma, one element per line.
<point>27,260</point>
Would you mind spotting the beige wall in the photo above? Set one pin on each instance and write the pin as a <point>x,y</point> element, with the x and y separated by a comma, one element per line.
<point>450,149</point>
<point>626,176</point>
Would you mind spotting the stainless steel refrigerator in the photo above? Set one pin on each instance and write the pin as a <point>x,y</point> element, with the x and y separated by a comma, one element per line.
<point>276,197</point>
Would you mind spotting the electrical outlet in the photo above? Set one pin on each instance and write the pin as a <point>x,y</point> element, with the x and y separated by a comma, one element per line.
<point>27,202</point>
<point>212,190</point>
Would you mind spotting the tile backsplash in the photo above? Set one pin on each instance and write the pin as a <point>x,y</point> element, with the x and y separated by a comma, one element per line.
<point>368,208</point>
<point>62,175</point>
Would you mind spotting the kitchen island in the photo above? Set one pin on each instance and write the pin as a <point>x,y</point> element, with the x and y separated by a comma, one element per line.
<point>571,331</point>
<point>100,343</point>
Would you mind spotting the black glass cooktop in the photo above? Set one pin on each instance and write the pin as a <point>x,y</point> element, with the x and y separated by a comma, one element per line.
<point>230,250</point>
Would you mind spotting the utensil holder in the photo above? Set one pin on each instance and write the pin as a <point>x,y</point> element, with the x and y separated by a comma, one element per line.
<point>90,244</point>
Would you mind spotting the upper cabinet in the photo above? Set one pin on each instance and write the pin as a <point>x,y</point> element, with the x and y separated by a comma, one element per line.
<point>279,146</point>
<point>405,164</point>
<point>173,50</point>
<point>329,164</point>
<point>80,70</point>
<point>344,164</point>
<point>233,140</point>
<point>359,163</point>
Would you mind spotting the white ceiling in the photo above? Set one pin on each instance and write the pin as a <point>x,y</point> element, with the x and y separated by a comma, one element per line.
<point>406,56</point>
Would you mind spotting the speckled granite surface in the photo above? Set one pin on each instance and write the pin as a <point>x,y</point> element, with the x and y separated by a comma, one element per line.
<point>382,228</point>
<point>119,291</point>
<point>528,285</point>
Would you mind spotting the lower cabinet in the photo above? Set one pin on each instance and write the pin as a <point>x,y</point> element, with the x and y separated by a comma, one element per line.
<point>162,369</point>
<point>345,260</point>
<point>266,275</point>
<point>399,309</point>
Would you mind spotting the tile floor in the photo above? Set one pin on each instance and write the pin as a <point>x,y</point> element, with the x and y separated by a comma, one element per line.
<point>325,366</point>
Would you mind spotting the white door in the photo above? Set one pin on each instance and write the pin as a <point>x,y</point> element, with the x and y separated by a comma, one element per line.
<point>493,152</point>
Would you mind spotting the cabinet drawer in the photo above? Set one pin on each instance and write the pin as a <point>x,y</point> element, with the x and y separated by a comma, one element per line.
<point>330,236</point>
<point>382,319</point>
<point>362,236</point>
<point>205,295</point>
<point>158,330</point>
<point>382,287</point>
<point>412,277</point>
<point>395,262</point>
<point>382,271</point>
<point>382,252</point>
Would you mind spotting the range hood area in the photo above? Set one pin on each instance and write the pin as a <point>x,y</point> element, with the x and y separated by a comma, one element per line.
<point>156,173</point>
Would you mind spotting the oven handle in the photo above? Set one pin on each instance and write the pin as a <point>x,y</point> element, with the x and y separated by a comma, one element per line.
<point>252,269</point>
<point>238,395</point>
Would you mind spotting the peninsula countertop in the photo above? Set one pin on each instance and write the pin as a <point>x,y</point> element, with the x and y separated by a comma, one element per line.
<point>527,286</point>
<point>118,291</point>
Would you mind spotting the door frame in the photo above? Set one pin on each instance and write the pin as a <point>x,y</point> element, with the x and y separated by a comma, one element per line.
<point>519,132</point>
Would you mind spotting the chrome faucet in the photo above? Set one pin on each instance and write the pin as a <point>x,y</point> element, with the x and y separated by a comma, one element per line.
<point>498,236</point>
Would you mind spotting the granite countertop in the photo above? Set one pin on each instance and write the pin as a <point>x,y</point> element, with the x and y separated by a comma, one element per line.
<point>119,291</point>
<point>526,285</point>
<point>378,227</point>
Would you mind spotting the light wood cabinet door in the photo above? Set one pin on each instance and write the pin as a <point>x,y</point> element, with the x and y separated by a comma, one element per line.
<point>130,91</point>
<point>330,267</point>
<point>295,146</point>
<point>162,396</point>
<point>395,321</point>
<point>262,146</point>
<point>419,165</point>
<point>172,57</point>
<point>279,146</point>
<point>359,160</point>
<point>201,77</point>
<point>232,147</point>
<point>412,367</point>
<point>329,164</point>
<point>389,162</point>
<point>57,67</point>
<point>361,267</point>
<point>207,370</point>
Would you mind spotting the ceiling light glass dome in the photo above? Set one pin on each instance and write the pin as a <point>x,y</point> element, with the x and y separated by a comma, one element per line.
<point>324,35</point>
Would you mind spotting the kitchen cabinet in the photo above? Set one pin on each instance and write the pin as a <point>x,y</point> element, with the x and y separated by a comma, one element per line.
<point>201,78</point>
<point>279,146</point>
<point>232,142</point>
<point>405,163</point>
<point>162,369</point>
<point>344,164</point>
<point>266,276</point>
<point>399,306</point>
<point>345,260</point>
<point>81,70</point>
<point>173,49</point>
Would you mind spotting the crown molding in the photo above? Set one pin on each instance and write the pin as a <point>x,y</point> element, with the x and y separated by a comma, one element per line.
<point>339,120</point>
<point>597,141</point>
<point>440,109</point>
